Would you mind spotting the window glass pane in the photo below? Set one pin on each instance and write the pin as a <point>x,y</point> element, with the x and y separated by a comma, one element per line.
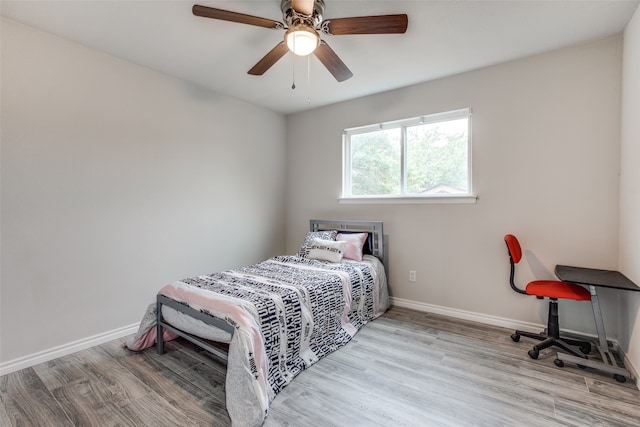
<point>437,158</point>
<point>376,163</point>
<point>419,157</point>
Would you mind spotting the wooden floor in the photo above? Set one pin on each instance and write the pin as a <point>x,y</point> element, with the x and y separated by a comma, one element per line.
<point>405,369</point>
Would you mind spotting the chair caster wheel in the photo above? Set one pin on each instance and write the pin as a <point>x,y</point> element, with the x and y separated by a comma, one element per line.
<point>620,378</point>
<point>534,353</point>
<point>586,349</point>
<point>515,337</point>
<point>559,363</point>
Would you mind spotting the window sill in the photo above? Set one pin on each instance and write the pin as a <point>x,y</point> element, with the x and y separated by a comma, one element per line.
<point>445,199</point>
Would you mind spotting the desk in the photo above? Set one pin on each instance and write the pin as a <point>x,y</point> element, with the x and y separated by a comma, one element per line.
<point>593,278</point>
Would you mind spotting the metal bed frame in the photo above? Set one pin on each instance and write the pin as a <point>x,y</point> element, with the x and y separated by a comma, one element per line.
<point>196,314</point>
<point>374,228</point>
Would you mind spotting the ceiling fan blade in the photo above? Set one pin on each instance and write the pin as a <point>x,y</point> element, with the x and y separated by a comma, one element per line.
<point>334,64</point>
<point>382,24</point>
<point>304,7</point>
<point>225,15</point>
<point>269,59</point>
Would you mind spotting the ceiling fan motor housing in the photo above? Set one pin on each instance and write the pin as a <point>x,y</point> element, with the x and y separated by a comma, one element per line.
<point>292,18</point>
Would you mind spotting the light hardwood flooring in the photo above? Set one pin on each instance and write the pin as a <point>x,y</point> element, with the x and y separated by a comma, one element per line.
<point>405,369</point>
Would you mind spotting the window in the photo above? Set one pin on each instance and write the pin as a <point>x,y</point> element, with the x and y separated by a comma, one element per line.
<point>425,157</point>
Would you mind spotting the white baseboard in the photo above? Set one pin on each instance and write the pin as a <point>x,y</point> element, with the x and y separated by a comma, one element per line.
<point>488,319</point>
<point>65,349</point>
<point>468,315</point>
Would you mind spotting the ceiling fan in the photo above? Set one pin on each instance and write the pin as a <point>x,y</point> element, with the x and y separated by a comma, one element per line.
<point>304,18</point>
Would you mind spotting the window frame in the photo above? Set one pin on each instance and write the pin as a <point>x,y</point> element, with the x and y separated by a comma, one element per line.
<point>403,124</point>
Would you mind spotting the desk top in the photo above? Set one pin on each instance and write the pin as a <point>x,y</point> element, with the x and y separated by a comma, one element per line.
<point>594,277</point>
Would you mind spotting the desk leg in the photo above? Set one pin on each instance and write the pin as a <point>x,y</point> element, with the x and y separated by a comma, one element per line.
<point>608,363</point>
<point>597,315</point>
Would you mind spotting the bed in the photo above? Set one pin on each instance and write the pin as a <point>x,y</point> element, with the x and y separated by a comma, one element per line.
<point>279,316</point>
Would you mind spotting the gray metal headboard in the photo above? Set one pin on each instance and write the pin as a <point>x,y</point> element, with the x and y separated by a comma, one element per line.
<point>374,228</point>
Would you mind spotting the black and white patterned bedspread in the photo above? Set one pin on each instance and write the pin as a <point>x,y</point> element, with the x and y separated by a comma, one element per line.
<point>289,312</point>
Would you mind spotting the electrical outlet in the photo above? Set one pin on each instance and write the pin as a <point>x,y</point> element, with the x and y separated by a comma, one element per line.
<point>412,275</point>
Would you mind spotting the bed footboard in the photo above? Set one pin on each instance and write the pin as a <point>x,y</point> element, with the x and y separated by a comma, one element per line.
<point>196,314</point>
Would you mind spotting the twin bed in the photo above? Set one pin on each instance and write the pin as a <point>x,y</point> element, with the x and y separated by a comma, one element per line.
<point>279,316</point>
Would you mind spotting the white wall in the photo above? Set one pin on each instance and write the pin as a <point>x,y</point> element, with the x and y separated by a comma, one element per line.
<point>546,153</point>
<point>630,190</point>
<point>117,180</point>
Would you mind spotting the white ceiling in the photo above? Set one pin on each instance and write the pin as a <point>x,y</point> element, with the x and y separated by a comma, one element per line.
<point>443,38</point>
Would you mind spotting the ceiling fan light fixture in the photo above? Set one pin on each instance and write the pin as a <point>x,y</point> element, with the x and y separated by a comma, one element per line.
<point>302,39</point>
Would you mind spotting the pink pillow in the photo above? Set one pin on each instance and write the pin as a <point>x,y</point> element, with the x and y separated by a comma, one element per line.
<point>355,242</point>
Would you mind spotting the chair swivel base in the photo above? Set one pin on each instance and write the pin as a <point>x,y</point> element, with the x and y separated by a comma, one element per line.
<point>566,344</point>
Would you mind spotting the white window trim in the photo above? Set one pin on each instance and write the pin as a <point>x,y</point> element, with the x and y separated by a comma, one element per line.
<point>470,197</point>
<point>408,200</point>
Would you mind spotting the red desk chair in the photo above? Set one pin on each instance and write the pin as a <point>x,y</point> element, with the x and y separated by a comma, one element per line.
<point>552,289</point>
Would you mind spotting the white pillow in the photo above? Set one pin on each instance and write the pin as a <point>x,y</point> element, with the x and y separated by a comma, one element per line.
<point>306,245</point>
<point>326,250</point>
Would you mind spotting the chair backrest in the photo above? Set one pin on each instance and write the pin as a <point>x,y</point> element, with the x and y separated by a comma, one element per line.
<point>513,246</point>
<point>515,255</point>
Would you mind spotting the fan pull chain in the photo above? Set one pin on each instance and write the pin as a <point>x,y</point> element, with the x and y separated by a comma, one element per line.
<point>293,65</point>
<point>308,79</point>
<point>293,71</point>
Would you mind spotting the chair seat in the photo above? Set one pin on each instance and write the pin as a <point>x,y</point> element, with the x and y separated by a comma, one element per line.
<point>557,289</point>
